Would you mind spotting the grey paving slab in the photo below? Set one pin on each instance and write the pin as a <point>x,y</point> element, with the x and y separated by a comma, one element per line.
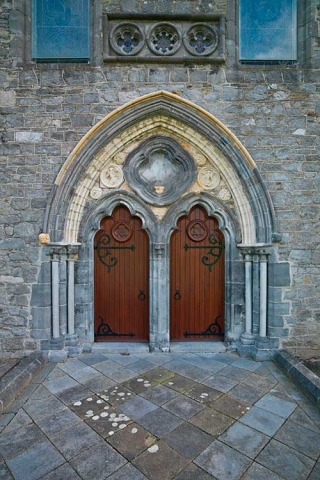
<point>40,393</point>
<point>223,462</point>
<point>261,383</point>
<point>75,439</point>
<point>230,406</point>
<point>128,472</point>
<point>65,472</point>
<point>262,420</point>
<point>209,364</point>
<point>212,422</point>
<point>20,419</point>
<point>189,371</point>
<point>160,422</point>
<point>315,474</point>
<point>246,364</point>
<point>137,407</point>
<point>35,462</point>
<point>92,358</point>
<point>180,384</point>
<point>43,374</point>
<point>14,443</point>
<point>73,365</point>
<point>4,472</point>
<point>244,439</point>
<point>276,405</point>
<point>60,384</point>
<point>159,375</point>
<point>131,441</point>
<point>188,440</point>
<point>107,366</point>
<point>142,366</point>
<point>183,407</point>
<point>159,394</point>
<point>56,373</point>
<point>99,383</point>
<point>125,360</point>
<point>83,374</point>
<point>235,373</point>
<point>38,409</point>
<point>22,399</point>
<point>73,394</point>
<point>301,418</point>
<point>246,393</point>
<point>98,462</point>
<point>204,394</point>
<point>220,383</point>
<point>285,461</point>
<point>6,418</point>
<point>164,464</point>
<point>257,472</point>
<point>121,374</point>
<point>302,439</point>
<point>56,423</point>
<point>192,472</point>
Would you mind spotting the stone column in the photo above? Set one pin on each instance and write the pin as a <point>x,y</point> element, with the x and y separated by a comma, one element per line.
<point>72,257</point>
<point>247,338</point>
<point>159,299</point>
<point>56,341</point>
<point>263,295</point>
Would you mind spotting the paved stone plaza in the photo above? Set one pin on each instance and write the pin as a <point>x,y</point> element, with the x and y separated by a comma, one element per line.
<point>161,416</point>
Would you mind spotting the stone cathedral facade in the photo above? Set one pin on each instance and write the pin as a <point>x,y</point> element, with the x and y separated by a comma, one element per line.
<point>160,175</point>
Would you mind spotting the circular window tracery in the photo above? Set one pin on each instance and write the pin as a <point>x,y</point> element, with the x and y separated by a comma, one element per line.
<point>164,39</point>
<point>201,39</point>
<point>121,231</point>
<point>127,39</point>
<point>197,230</point>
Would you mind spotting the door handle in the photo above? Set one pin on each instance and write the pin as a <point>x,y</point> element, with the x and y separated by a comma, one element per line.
<point>141,296</point>
<point>177,295</point>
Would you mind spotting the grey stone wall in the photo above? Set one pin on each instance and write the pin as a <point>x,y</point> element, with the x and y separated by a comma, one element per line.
<point>46,109</point>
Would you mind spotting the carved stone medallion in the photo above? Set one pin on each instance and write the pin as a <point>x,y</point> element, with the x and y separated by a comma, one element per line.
<point>224,194</point>
<point>208,178</point>
<point>159,170</point>
<point>95,193</point>
<point>112,176</point>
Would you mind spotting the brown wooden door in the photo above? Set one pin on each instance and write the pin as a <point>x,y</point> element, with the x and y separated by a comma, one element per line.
<point>121,279</point>
<point>197,285</point>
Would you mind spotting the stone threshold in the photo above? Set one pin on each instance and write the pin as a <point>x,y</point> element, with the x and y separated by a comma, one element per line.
<point>308,381</point>
<point>175,347</point>
<point>18,377</point>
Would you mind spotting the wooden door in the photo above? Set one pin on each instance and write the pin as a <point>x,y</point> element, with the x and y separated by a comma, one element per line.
<point>121,279</point>
<point>197,284</point>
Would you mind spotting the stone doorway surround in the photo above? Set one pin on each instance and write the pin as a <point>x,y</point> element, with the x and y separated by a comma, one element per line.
<point>93,181</point>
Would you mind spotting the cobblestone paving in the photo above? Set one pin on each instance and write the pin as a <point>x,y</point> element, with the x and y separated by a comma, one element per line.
<point>160,416</point>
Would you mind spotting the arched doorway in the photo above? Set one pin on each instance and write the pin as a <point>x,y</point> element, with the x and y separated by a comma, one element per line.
<point>121,279</point>
<point>197,279</point>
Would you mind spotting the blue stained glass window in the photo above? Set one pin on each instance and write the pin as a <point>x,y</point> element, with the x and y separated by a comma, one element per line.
<point>268,30</point>
<point>60,29</point>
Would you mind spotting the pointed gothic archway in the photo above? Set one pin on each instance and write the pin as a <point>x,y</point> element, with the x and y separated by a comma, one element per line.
<point>82,196</point>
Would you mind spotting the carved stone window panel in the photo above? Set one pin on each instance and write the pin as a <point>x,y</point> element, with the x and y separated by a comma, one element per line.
<point>163,39</point>
<point>159,170</point>
<point>127,39</point>
<point>201,39</point>
<point>166,38</point>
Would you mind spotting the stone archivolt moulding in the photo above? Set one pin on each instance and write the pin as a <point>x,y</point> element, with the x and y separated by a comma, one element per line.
<point>171,38</point>
<point>159,170</point>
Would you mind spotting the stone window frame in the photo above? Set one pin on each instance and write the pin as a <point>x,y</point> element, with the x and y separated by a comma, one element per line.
<point>21,43</point>
<point>175,20</point>
<point>305,37</point>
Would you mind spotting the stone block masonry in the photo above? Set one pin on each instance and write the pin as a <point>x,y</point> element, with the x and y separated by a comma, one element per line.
<point>45,110</point>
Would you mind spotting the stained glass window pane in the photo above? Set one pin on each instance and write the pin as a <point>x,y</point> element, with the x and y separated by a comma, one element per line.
<point>268,30</point>
<point>60,29</point>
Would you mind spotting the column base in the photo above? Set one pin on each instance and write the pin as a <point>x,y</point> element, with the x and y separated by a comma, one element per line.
<point>247,339</point>
<point>57,356</point>
<point>56,344</point>
<point>71,340</point>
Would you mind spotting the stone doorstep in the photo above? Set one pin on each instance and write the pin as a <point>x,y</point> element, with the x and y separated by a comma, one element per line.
<point>308,381</point>
<point>18,378</point>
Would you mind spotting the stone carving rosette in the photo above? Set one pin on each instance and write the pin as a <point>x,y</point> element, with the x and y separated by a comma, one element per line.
<point>111,176</point>
<point>208,178</point>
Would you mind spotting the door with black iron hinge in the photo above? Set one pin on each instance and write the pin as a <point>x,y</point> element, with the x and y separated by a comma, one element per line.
<point>197,278</point>
<point>121,279</point>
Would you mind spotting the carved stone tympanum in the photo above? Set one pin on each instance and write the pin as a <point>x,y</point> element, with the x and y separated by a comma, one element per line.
<point>159,170</point>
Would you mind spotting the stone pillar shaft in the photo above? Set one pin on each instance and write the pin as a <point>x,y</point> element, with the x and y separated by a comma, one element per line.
<point>263,295</point>
<point>55,285</point>
<point>248,287</point>
<point>70,296</point>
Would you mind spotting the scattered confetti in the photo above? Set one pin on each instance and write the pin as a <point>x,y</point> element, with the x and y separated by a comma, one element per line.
<point>77,404</point>
<point>107,407</point>
<point>104,414</point>
<point>134,430</point>
<point>140,380</point>
<point>99,401</point>
<point>129,394</point>
<point>121,394</point>
<point>111,433</point>
<point>205,394</point>
<point>89,399</point>
<point>89,412</point>
<point>96,417</point>
<point>170,383</point>
<point>123,425</point>
<point>153,449</point>
<point>115,424</point>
